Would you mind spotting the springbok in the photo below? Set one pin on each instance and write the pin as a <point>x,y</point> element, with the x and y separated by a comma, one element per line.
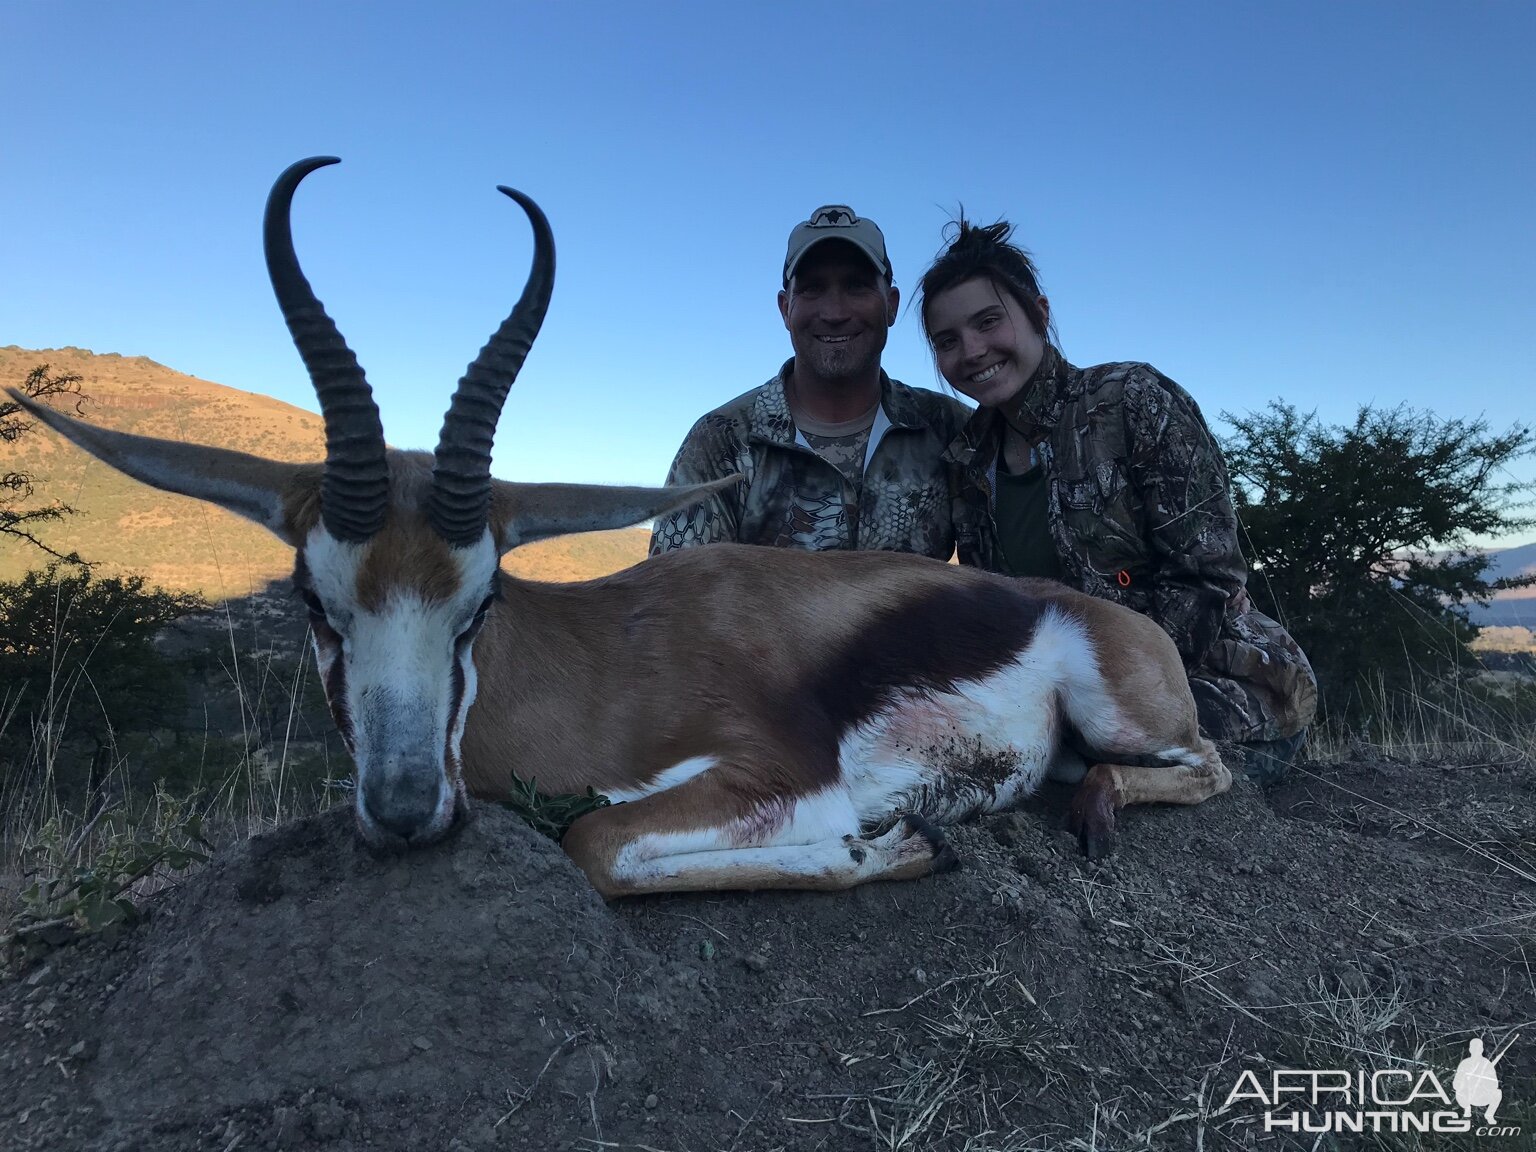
<point>760,718</point>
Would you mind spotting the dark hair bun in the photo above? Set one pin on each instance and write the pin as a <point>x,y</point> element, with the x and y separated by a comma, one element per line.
<point>987,250</point>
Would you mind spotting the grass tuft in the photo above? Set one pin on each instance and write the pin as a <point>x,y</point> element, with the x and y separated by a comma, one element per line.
<point>550,813</point>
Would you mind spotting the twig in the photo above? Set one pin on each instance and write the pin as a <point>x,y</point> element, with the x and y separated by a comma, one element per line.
<point>33,929</point>
<point>701,923</point>
<point>927,992</point>
<point>528,1094</point>
<point>747,1123</point>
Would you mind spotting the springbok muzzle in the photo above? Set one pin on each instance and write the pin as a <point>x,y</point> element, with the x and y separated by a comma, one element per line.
<point>408,806</point>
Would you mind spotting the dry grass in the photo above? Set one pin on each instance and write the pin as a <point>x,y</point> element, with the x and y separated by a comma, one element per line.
<point>1505,638</point>
<point>48,829</point>
<point>1450,720</point>
<point>961,1053</point>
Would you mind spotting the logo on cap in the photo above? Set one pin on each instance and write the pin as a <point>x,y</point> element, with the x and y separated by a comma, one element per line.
<point>833,216</point>
<point>840,222</point>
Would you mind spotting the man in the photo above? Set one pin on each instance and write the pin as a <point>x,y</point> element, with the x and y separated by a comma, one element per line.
<point>835,454</point>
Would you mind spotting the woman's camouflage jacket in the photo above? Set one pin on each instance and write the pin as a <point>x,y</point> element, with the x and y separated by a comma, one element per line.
<point>1141,513</point>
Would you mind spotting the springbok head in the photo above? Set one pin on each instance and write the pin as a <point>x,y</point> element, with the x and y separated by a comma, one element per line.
<point>397,554</point>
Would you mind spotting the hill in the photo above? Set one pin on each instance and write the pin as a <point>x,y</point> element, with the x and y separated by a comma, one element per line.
<point>182,543</point>
<point>1519,561</point>
<point>1518,605</point>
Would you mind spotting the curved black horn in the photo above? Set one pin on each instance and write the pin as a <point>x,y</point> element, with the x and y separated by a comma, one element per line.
<point>461,473</point>
<point>355,491</point>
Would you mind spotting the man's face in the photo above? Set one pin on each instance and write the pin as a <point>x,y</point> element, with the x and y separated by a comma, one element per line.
<point>838,310</point>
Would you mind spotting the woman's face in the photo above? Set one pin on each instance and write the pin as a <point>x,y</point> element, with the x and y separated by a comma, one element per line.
<point>984,343</point>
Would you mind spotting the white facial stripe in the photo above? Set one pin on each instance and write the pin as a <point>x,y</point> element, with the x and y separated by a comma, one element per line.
<point>399,661</point>
<point>461,714</point>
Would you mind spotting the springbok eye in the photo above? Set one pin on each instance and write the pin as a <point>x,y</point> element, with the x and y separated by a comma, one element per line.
<point>312,602</point>
<point>469,630</point>
<point>485,606</point>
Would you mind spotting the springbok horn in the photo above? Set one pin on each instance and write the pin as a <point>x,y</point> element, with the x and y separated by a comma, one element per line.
<point>461,473</point>
<point>355,490</point>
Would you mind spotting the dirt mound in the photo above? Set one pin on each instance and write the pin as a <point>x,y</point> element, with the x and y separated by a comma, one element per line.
<point>301,993</point>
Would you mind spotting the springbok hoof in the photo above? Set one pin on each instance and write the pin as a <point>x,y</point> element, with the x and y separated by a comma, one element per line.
<point>944,857</point>
<point>1092,815</point>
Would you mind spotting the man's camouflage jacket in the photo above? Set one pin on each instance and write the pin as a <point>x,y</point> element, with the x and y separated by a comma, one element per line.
<point>791,497</point>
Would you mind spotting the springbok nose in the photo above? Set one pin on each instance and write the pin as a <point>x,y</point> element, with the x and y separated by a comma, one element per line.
<point>405,806</point>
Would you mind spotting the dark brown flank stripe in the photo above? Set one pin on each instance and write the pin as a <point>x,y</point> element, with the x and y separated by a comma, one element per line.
<point>946,637</point>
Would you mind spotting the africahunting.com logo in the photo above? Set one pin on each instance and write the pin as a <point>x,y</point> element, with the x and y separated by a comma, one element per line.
<point>1386,1100</point>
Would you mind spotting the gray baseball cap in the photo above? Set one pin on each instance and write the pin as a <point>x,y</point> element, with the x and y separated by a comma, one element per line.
<point>837,222</point>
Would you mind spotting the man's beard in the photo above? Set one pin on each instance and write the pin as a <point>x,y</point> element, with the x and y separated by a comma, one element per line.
<point>841,361</point>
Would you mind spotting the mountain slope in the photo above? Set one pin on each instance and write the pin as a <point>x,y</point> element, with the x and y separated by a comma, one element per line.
<point>1519,561</point>
<point>1517,606</point>
<point>182,543</point>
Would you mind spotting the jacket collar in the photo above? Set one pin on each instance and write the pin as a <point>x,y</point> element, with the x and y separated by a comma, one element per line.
<point>769,421</point>
<point>1036,407</point>
<point>1034,410</point>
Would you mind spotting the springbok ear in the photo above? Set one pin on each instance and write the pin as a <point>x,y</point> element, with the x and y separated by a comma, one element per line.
<point>245,485</point>
<point>522,513</point>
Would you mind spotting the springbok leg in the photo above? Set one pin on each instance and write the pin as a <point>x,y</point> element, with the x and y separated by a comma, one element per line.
<point>704,835</point>
<point>1109,787</point>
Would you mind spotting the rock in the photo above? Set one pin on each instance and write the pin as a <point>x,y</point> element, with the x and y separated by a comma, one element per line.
<point>44,975</point>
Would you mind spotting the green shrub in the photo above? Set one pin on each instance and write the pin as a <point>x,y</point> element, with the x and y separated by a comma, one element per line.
<point>1361,539</point>
<point>78,660</point>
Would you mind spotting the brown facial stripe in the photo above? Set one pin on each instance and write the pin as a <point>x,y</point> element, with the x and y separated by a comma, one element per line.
<point>455,706</point>
<point>301,580</point>
<point>335,683</point>
<point>336,697</point>
<point>947,636</point>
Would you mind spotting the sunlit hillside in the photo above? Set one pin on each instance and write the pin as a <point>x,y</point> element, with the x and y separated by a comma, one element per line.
<point>181,543</point>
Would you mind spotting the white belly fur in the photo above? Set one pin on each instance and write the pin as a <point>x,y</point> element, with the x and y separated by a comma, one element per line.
<point>982,747</point>
<point>950,755</point>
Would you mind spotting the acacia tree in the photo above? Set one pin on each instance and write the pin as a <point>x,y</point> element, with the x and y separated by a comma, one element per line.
<point>1360,536</point>
<point>16,523</point>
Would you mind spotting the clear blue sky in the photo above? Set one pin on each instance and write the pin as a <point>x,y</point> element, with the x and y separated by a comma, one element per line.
<point>1329,203</point>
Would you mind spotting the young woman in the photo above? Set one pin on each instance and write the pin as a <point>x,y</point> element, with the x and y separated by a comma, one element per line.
<point>1107,479</point>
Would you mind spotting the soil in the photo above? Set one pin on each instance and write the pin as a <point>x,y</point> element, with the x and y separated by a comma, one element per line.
<point>299,993</point>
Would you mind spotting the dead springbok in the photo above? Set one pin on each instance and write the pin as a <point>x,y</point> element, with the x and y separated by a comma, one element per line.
<point>761,718</point>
